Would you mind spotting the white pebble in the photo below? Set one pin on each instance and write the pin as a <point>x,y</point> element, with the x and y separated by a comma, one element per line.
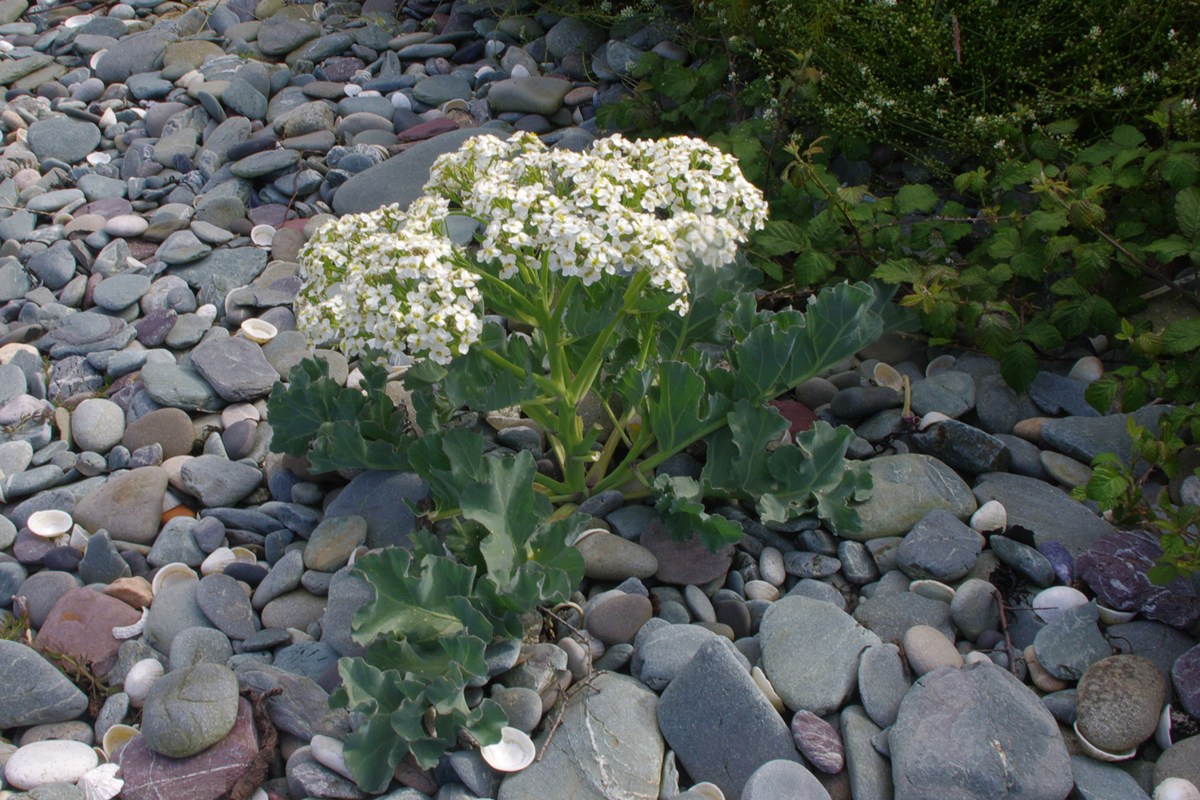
<point>1052,603</point>
<point>991,516</point>
<point>1176,789</point>
<point>352,89</point>
<point>400,100</point>
<point>49,761</point>
<point>519,71</point>
<point>329,753</point>
<point>1086,370</point>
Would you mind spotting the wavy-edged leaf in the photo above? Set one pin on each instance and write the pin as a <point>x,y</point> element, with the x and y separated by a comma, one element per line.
<point>504,504</point>
<point>373,751</point>
<point>680,409</point>
<point>787,348</point>
<point>738,454</point>
<point>421,606</point>
<point>474,382</point>
<point>680,503</point>
<point>814,476</point>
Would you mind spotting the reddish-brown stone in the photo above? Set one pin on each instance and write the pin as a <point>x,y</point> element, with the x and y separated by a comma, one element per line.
<point>208,775</point>
<point>686,562</point>
<point>80,625</point>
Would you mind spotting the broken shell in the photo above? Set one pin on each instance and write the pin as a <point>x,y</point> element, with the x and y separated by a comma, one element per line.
<point>934,590</point>
<point>1162,733</point>
<point>78,21</point>
<point>764,684</point>
<point>514,751</point>
<point>115,736</point>
<point>889,376</point>
<point>141,676</point>
<point>1050,604</point>
<point>932,418</point>
<point>991,516</point>
<point>705,791</point>
<point>122,632</point>
<point>99,54</point>
<point>217,561</point>
<point>262,235</point>
<point>352,90</point>
<point>1111,616</point>
<point>96,159</point>
<point>1176,789</point>
<point>168,574</point>
<point>258,331</point>
<point>101,783</point>
<point>244,555</point>
<point>1102,755</point>
<point>940,364</point>
<point>50,524</point>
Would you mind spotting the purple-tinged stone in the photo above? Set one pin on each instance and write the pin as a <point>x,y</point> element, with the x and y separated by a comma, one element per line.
<point>208,775</point>
<point>1185,675</point>
<point>686,562</point>
<point>1115,568</point>
<point>152,329</point>
<point>80,625</point>
<point>819,742</point>
<point>1060,560</point>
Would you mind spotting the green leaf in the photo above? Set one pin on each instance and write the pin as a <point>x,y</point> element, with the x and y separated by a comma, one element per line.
<point>1181,336</point>
<point>1180,169</point>
<point>504,503</point>
<point>812,268</point>
<point>1039,332</point>
<point>450,460</point>
<point>373,752</point>
<point>916,197</point>
<point>1127,136</point>
<point>739,453</point>
<point>1101,393</point>
<point>779,237</point>
<point>476,383</point>
<point>680,409</point>
<point>680,503</point>
<point>1187,212</point>
<point>1168,249</point>
<point>423,606</point>
<point>899,270</point>
<point>787,348</point>
<point>1019,366</point>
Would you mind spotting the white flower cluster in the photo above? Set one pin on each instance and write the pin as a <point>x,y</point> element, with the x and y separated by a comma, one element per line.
<point>386,281</point>
<point>623,206</point>
<point>393,281</point>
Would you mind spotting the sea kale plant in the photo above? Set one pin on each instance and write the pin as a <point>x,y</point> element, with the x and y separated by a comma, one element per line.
<point>559,282</point>
<point>599,295</point>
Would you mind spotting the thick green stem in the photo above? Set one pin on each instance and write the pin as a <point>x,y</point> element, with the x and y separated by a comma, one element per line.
<point>544,384</point>
<point>590,367</point>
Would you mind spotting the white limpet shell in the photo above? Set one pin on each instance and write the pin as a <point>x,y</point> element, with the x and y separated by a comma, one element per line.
<point>1049,604</point>
<point>1102,755</point>
<point>932,418</point>
<point>175,572</point>
<point>329,752</point>
<point>141,676</point>
<point>1176,789</point>
<point>6,47</point>
<point>940,364</point>
<point>764,684</point>
<point>991,516</point>
<point>122,632</point>
<point>78,21</point>
<point>1111,616</point>
<point>244,555</point>
<point>109,117</point>
<point>50,523</point>
<point>513,753</point>
<point>259,331</point>
<point>101,783</point>
<point>889,376</point>
<point>217,561</point>
<point>96,159</point>
<point>115,736</point>
<point>96,56</point>
<point>262,235</point>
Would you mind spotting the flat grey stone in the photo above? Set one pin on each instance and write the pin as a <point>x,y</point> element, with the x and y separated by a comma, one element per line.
<point>222,271</point>
<point>976,733</point>
<point>302,709</point>
<point>719,723</point>
<point>383,499</point>
<point>939,547</point>
<point>128,505</point>
<point>810,652</point>
<point>1095,780</point>
<point>217,481</point>
<point>905,489</point>
<point>35,693</point>
<point>783,780</point>
<point>176,386</point>
<point>1047,511</point>
<point>235,367</point>
<point>63,138</point>
<point>1071,642</point>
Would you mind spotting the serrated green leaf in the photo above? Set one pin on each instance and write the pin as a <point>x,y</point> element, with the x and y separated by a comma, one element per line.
<point>1127,136</point>
<point>898,270</point>
<point>1187,212</point>
<point>1046,221</point>
<point>1039,332</point>
<point>778,237</point>
<point>994,332</point>
<point>1181,336</point>
<point>1168,249</point>
<point>1180,169</point>
<point>1018,366</point>
<point>812,268</point>
<point>916,197</point>
<point>1004,244</point>
<point>1101,394</point>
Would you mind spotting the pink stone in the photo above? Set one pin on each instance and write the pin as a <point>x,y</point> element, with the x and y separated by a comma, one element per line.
<point>818,741</point>
<point>686,562</point>
<point>208,775</point>
<point>427,130</point>
<point>80,625</point>
<point>799,416</point>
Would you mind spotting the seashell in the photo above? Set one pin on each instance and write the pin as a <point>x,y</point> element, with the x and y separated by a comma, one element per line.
<point>96,159</point>
<point>1087,369</point>
<point>1102,755</point>
<point>455,104</point>
<point>329,753</point>
<point>940,364</point>
<point>262,235</point>
<point>352,89</point>
<point>96,56</point>
<point>6,47</point>
<point>78,21</point>
<point>115,736</point>
<point>122,632</point>
<point>217,561</point>
<point>50,523</point>
<point>109,117</point>
<point>79,538</point>
<point>764,684</point>
<point>260,794</point>
<point>704,791</point>
<point>513,753</point>
<point>991,516</point>
<point>244,555</point>
<point>168,574</point>
<point>1162,734</point>
<point>1111,616</point>
<point>1176,789</point>
<point>889,376</point>
<point>141,676</point>
<point>370,93</point>
<point>258,331</point>
<point>932,418</point>
<point>101,783</point>
<point>1049,604</point>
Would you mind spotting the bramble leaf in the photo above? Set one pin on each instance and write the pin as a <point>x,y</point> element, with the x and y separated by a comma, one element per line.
<point>915,197</point>
<point>1187,212</point>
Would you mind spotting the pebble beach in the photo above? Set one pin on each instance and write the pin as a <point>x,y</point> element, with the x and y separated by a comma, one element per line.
<point>175,596</point>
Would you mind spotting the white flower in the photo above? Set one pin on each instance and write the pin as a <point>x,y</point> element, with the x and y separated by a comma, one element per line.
<point>1119,90</point>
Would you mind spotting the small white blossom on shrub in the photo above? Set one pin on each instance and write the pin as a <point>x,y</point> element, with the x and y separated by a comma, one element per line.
<point>393,281</point>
